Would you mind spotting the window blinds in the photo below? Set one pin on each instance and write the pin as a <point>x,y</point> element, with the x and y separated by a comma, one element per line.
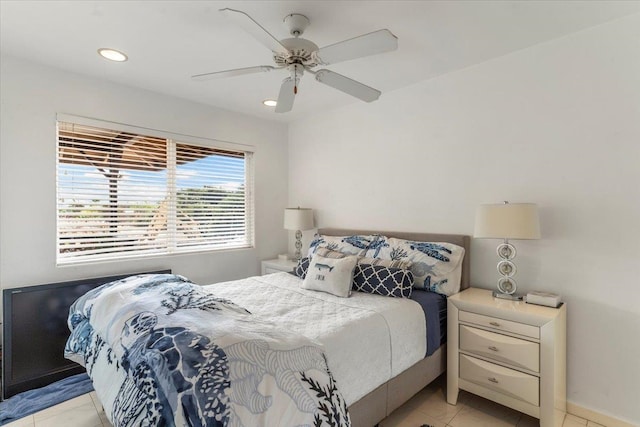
<point>122,194</point>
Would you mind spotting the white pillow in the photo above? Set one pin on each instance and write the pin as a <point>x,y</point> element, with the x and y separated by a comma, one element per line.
<point>331,275</point>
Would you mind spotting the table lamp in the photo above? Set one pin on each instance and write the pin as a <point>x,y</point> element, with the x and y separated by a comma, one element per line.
<point>298,219</point>
<point>506,221</point>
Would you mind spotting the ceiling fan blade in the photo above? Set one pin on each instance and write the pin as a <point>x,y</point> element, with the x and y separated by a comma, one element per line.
<point>233,73</point>
<point>368,44</point>
<point>347,85</point>
<point>286,96</point>
<point>248,24</point>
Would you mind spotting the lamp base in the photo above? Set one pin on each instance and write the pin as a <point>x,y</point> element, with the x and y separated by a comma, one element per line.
<point>510,297</point>
<point>298,253</point>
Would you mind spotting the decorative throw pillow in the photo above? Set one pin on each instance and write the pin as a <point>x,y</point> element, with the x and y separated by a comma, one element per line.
<point>350,245</point>
<point>328,253</point>
<point>436,266</point>
<point>395,263</point>
<point>381,280</point>
<point>301,268</point>
<point>330,275</point>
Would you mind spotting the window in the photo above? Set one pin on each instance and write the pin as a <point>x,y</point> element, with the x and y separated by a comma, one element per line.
<point>125,194</point>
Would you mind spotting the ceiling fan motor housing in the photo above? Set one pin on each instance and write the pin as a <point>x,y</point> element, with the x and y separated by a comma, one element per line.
<point>300,51</point>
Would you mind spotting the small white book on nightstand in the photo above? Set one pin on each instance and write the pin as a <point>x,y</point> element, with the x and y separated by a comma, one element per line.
<point>543,298</point>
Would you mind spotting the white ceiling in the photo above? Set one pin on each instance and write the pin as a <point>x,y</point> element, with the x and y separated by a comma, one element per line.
<point>168,41</point>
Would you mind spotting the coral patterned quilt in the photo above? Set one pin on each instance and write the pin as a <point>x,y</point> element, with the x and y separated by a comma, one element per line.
<point>162,351</point>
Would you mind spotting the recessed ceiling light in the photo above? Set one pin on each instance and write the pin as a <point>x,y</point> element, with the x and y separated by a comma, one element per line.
<point>112,55</point>
<point>270,102</point>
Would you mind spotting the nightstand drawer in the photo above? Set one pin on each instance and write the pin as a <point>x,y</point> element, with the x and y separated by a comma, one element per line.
<point>269,270</point>
<point>506,381</point>
<point>514,351</point>
<point>500,324</point>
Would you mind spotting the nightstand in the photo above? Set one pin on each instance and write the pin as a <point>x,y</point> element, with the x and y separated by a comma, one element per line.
<point>510,352</point>
<point>277,265</point>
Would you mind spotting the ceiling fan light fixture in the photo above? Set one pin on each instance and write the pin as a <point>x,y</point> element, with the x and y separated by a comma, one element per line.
<point>270,102</point>
<point>112,54</point>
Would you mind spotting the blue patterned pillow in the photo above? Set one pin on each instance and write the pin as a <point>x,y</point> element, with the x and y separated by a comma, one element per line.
<point>301,269</point>
<point>350,245</point>
<point>436,266</point>
<point>381,280</point>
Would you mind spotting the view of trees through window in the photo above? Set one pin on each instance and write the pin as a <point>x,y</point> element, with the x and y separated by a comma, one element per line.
<point>123,194</point>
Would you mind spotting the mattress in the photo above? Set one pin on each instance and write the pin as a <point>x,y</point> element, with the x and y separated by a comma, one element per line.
<point>368,339</point>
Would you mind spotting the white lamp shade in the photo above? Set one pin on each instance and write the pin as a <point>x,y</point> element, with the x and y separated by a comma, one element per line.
<point>298,219</point>
<point>507,221</point>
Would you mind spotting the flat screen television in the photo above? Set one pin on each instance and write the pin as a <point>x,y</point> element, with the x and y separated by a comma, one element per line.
<point>35,332</point>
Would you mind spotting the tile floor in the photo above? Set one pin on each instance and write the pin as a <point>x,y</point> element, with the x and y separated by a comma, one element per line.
<point>429,406</point>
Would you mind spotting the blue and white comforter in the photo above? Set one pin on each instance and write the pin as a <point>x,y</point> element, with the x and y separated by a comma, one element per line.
<point>162,351</point>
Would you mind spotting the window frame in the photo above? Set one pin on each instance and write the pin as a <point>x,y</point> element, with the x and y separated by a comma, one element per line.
<point>170,249</point>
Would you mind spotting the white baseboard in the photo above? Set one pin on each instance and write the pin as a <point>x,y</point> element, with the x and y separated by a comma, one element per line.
<point>596,417</point>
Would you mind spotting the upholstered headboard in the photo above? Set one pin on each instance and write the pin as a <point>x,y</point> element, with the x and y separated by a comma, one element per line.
<point>456,239</point>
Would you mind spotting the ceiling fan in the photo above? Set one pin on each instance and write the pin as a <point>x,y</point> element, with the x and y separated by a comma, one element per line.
<point>297,55</point>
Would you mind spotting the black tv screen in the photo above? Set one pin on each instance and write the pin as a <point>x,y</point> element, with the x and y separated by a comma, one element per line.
<point>35,332</point>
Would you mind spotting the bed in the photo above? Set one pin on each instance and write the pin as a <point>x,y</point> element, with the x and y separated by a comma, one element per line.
<point>384,399</point>
<point>373,346</point>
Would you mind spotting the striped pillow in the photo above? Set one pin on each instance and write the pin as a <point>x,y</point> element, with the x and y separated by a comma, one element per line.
<point>394,263</point>
<point>328,253</point>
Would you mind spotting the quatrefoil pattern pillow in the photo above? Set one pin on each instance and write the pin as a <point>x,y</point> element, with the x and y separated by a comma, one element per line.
<point>301,269</point>
<point>381,280</point>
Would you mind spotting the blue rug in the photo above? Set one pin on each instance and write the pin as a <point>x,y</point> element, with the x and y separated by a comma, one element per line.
<point>32,401</point>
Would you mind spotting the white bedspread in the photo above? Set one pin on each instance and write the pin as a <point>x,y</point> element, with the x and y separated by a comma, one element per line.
<point>368,339</point>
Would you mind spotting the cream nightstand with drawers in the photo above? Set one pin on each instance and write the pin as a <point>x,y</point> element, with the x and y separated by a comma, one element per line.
<point>277,265</point>
<point>510,352</point>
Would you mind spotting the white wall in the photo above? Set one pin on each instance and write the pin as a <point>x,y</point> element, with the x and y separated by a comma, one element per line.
<point>31,97</point>
<point>557,124</point>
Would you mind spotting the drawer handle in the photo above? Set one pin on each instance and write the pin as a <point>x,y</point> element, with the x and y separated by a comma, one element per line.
<point>493,380</point>
<point>492,348</point>
<point>496,324</point>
